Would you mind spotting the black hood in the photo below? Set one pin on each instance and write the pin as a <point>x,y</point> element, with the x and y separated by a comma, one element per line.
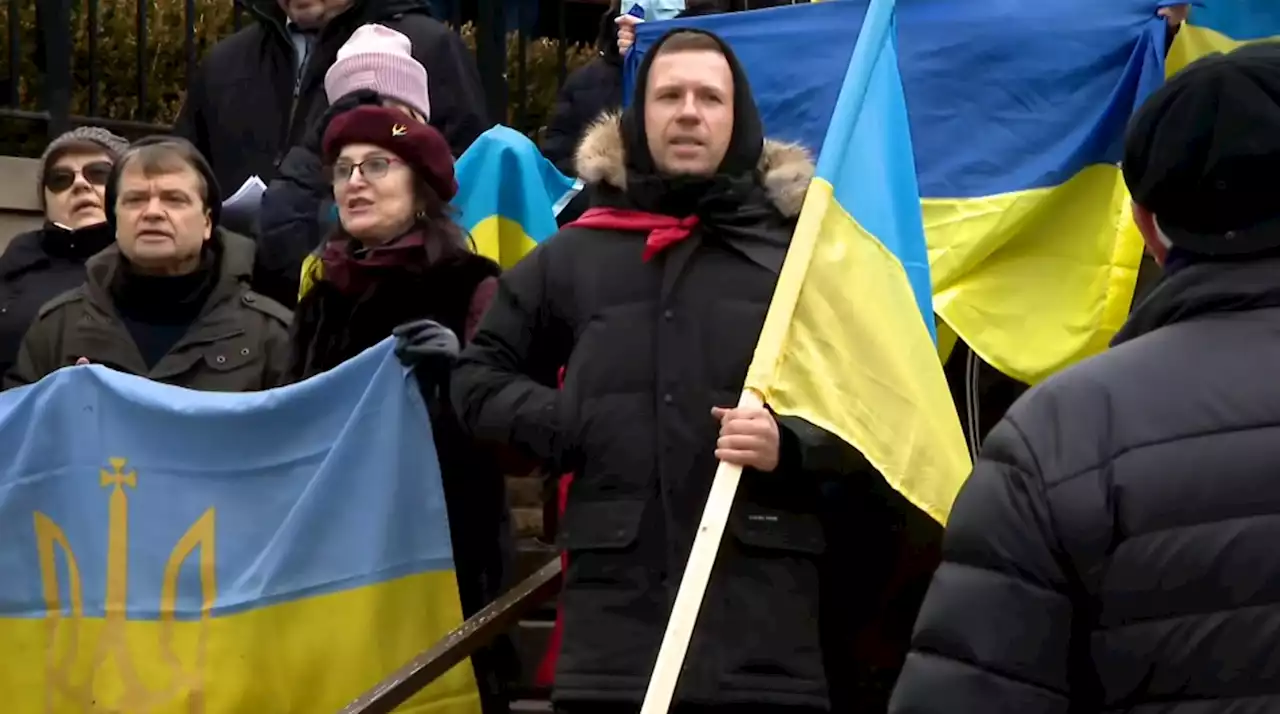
<point>733,204</point>
<point>745,147</point>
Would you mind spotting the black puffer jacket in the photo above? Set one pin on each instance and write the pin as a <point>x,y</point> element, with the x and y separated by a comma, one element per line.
<point>35,268</point>
<point>240,109</point>
<point>649,347</point>
<point>1114,549</point>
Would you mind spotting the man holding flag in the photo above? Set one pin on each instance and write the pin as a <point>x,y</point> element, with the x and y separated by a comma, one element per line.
<point>654,301</point>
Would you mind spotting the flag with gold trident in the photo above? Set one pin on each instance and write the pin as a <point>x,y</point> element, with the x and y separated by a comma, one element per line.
<point>169,551</point>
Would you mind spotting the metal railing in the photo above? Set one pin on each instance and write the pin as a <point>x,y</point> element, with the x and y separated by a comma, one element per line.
<point>124,64</point>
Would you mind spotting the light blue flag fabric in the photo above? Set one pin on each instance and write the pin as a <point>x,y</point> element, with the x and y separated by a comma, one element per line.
<point>303,528</point>
<point>509,195</point>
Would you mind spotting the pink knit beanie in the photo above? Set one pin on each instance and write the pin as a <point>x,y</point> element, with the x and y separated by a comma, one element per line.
<point>379,58</point>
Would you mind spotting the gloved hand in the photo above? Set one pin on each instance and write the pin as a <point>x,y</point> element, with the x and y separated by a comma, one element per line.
<point>427,347</point>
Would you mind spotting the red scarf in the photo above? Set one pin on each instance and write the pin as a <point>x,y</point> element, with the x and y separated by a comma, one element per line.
<point>664,231</point>
<point>352,268</point>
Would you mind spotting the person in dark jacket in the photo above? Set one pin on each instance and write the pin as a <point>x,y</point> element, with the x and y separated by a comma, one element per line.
<point>654,301</point>
<point>258,91</point>
<point>39,265</point>
<point>170,301</point>
<point>375,66</point>
<point>397,263</point>
<point>587,93</point>
<point>1114,548</point>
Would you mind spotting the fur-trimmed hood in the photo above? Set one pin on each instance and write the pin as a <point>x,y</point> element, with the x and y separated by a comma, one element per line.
<point>785,169</point>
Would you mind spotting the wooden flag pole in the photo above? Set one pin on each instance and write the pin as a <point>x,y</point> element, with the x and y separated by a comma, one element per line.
<point>693,585</point>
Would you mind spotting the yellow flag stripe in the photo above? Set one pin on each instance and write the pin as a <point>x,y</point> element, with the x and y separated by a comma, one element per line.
<point>868,375</point>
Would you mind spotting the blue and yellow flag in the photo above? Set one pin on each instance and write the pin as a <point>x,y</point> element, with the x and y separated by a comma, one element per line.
<point>509,195</point>
<point>508,198</point>
<point>1017,112</point>
<point>165,551</point>
<point>847,344</point>
<point>1222,26</point>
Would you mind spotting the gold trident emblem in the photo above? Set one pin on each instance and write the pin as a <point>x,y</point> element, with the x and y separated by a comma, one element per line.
<point>126,693</point>
<point>399,130</point>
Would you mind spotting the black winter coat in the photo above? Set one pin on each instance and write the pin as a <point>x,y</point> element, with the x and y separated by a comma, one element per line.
<point>1114,549</point>
<point>331,327</point>
<point>37,267</point>
<point>240,109</point>
<point>650,348</point>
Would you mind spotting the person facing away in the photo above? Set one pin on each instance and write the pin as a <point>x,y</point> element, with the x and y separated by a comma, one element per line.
<point>375,66</point>
<point>396,263</point>
<point>1114,549</point>
<point>39,265</point>
<point>170,301</point>
<point>257,91</point>
<point>653,301</point>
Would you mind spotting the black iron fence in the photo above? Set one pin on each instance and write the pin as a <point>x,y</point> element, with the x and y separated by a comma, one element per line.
<point>124,64</point>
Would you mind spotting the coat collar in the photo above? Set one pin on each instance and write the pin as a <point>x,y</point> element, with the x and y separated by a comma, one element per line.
<point>234,269</point>
<point>1205,289</point>
<point>785,169</point>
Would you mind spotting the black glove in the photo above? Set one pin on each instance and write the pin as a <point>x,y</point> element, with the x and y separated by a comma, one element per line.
<point>427,347</point>
<point>345,103</point>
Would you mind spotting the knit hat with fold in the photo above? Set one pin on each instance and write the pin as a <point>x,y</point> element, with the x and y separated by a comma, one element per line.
<point>379,58</point>
<point>85,137</point>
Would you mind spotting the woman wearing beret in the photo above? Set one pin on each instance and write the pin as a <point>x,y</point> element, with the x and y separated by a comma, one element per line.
<point>396,263</point>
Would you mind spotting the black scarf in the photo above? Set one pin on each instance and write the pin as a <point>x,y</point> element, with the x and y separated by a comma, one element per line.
<point>78,245</point>
<point>165,299</point>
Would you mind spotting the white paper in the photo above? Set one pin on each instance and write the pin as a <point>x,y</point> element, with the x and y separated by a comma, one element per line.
<point>240,212</point>
<point>249,195</point>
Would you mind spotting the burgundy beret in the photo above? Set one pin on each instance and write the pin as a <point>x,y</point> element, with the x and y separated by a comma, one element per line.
<point>420,146</point>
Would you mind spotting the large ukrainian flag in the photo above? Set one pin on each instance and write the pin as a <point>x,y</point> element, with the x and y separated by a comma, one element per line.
<point>1222,26</point>
<point>164,551</point>
<point>1017,110</point>
<point>848,342</point>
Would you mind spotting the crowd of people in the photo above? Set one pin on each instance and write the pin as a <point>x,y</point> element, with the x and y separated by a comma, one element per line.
<point>1108,552</point>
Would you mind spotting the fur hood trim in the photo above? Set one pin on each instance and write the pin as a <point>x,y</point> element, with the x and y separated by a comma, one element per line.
<point>785,169</point>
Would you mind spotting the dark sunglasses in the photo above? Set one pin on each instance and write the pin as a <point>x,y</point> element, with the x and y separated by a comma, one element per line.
<point>60,179</point>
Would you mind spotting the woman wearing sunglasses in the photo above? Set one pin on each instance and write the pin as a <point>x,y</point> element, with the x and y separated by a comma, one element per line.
<point>42,264</point>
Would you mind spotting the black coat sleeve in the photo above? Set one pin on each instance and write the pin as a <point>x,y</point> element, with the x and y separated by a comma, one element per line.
<point>503,387</point>
<point>457,95</point>
<point>994,634</point>
<point>809,449</point>
<point>290,225</point>
<point>565,126</point>
<point>190,124</point>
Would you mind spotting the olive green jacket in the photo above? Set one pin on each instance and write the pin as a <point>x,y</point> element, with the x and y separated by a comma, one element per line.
<point>239,343</point>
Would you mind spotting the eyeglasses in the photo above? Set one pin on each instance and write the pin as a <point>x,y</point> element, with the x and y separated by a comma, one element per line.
<point>372,168</point>
<point>60,178</point>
